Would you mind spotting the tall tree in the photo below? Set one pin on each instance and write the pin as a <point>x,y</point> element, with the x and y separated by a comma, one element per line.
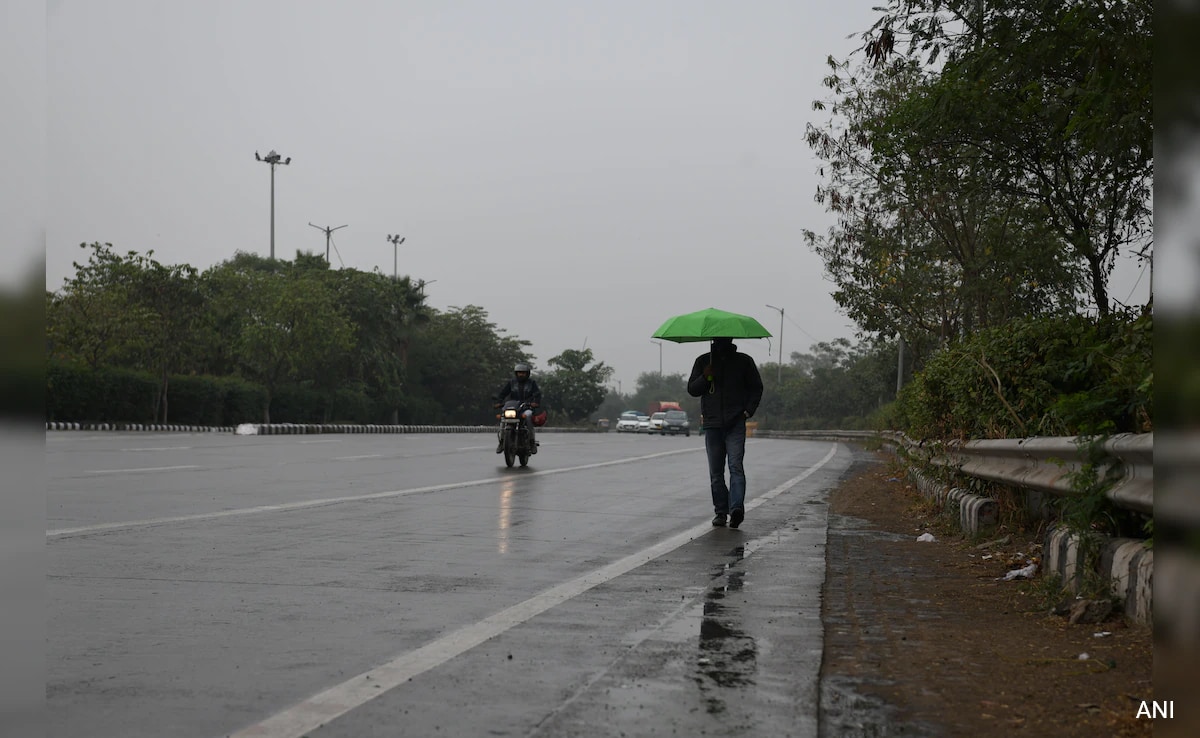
<point>573,388</point>
<point>928,243</point>
<point>1055,96</point>
<point>167,304</point>
<point>87,319</point>
<point>456,364</point>
<point>291,329</point>
<point>385,314</point>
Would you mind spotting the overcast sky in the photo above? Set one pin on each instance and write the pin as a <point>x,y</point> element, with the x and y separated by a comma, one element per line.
<point>580,170</point>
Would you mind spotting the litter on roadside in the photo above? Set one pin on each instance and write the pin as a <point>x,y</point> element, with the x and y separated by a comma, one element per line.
<point>1024,572</point>
<point>926,538</point>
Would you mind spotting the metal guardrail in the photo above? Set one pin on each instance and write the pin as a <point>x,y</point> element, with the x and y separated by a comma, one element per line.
<point>1047,464</point>
<point>1044,464</point>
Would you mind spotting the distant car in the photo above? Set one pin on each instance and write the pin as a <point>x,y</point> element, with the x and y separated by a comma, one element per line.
<point>628,422</point>
<point>656,422</point>
<point>643,424</point>
<point>602,425</point>
<point>676,421</point>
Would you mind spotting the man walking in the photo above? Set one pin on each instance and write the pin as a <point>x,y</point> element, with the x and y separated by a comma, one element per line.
<point>730,389</point>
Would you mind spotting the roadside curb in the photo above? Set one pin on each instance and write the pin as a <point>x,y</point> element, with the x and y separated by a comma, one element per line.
<point>276,429</point>
<point>169,427</point>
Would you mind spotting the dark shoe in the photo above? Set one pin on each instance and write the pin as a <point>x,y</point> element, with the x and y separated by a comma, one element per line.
<point>735,517</point>
<point>719,520</point>
<point>500,449</point>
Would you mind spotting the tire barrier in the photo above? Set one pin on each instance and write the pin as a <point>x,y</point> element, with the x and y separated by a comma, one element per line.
<point>1125,563</point>
<point>276,429</point>
<point>138,427</point>
<point>284,429</point>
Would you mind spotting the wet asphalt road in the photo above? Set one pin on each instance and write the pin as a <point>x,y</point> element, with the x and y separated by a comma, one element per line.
<point>384,585</point>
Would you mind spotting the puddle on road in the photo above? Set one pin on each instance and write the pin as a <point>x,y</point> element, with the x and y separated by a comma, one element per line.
<point>727,657</point>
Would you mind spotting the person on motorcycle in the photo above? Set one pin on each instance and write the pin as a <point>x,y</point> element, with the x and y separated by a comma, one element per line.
<point>523,388</point>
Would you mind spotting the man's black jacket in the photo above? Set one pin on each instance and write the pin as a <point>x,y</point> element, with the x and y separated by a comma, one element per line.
<point>734,391</point>
<point>527,391</point>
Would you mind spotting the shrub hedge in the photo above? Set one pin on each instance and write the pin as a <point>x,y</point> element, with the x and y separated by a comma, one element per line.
<point>1062,377</point>
<point>77,393</point>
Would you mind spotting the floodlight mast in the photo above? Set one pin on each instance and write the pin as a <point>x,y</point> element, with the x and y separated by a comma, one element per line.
<point>273,159</point>
<point>395,240</point>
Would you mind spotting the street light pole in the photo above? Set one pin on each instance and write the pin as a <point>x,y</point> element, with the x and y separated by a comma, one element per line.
<point>779,373</point>
<point>659,355</point>
<point>273,159</point>
<point>395,240</point>
<point>328,236</point>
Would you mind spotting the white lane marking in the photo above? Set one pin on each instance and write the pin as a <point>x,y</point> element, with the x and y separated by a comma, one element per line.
<point>65,532</point>
<point>159,448</point>
<point>298,720</point>
<point>140,469</point>
<point>356,458</point>
<point>324,440</point>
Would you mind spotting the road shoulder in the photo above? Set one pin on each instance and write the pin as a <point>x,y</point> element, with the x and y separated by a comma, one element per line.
<point>927,638</point>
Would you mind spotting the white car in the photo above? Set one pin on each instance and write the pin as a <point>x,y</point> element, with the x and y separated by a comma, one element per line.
<point>643,424</point>
<point>657,420</point>
<point>628,422</point>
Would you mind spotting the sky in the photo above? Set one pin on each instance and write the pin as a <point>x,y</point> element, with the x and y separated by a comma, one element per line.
<point>582,171</point>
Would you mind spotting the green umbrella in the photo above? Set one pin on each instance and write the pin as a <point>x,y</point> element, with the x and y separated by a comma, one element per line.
<point>705,325</point>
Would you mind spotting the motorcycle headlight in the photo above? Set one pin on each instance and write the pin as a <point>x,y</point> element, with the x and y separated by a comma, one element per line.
<point>510,413</point>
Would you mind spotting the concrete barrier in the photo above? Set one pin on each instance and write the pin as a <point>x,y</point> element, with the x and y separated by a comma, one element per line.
<point>1125,563</point>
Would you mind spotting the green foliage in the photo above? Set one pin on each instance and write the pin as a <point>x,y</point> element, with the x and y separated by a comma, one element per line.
<point>572,387</point>
<point>242,401</point>
<point>292,329</point>
<point>836,386</point>
<point>88,320</point>
<point>459,359</point>
<point>80,393</point>
<point>289,342</point>
<point>126,310</point>
<point>1068,119</point>
<point>989,161</point>
<point>1067,376</point>
<point>928,240</point>
<point>197,401</point>
<point>22,367</point>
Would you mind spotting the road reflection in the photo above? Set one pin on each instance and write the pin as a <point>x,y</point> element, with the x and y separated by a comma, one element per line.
<point>508,488</point>
<point>728,656</point>
<point>509,514</point>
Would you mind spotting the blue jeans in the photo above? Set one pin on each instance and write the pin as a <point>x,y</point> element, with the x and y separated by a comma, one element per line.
<point>722,443</point>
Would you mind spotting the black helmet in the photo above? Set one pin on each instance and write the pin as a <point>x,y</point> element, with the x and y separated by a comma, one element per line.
<point>522,367</point>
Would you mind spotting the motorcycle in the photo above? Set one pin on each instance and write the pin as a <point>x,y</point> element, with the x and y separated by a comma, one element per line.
<point>514,435</point>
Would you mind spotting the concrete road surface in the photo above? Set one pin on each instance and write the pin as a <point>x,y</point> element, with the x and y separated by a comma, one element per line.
<point>392,585</point>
